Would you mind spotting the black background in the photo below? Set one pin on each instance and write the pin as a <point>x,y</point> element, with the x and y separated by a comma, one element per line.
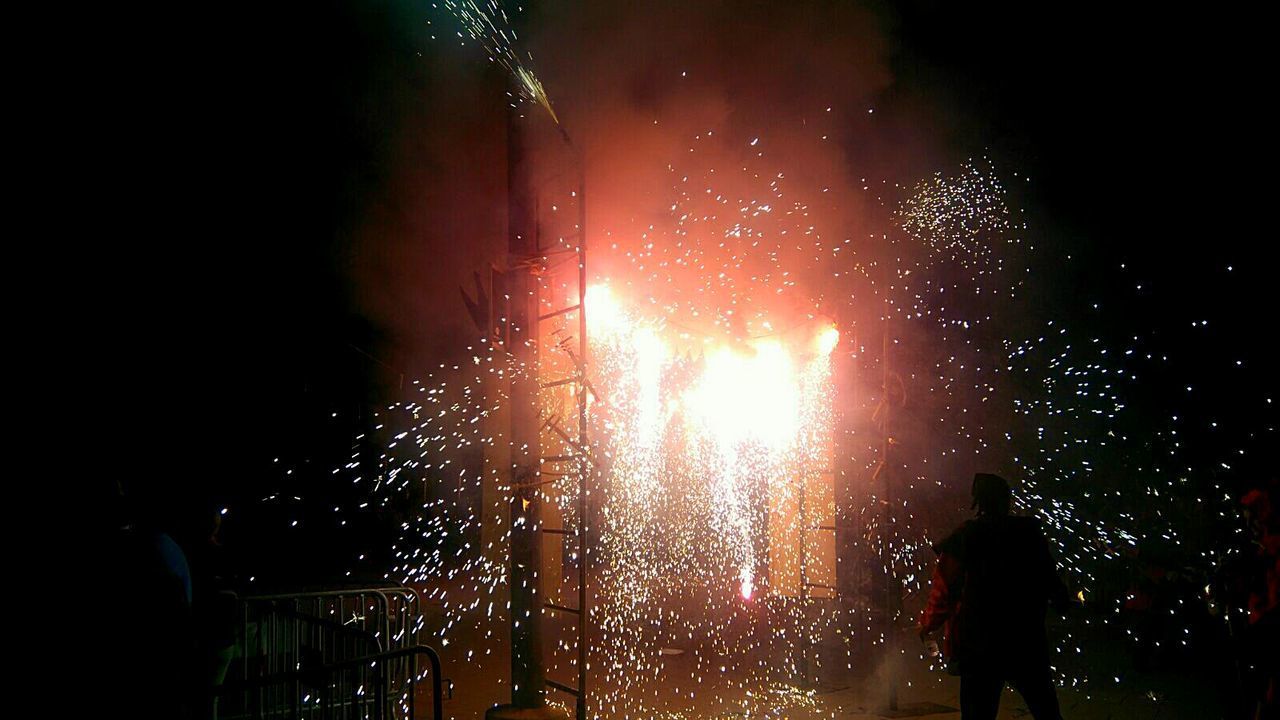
<point>227,158</point>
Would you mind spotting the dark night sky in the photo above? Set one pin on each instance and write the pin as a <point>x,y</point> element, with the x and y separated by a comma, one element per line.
<point>275,157</point>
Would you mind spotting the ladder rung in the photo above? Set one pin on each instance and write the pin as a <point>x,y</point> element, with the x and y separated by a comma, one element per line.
<point>555,428</point>
<point>558,531</point>
<point>566,236</point>
<point>557,383</point>
<point>536,483</point>
<point>560,608</point>
<point>561,311</point>
<point>820,585</point>
<point>560,458</point>
<point>549,252</point>
<point>562,687</point>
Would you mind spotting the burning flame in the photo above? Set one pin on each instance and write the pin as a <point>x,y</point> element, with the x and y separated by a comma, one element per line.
<point>827,340</point>
<point>747,414</point>
<point>744,397</point>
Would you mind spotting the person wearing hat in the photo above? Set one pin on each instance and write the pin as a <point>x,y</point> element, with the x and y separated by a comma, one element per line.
<point>991,589</point>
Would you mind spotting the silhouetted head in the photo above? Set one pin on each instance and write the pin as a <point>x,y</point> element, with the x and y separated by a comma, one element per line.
<point>991,495</point>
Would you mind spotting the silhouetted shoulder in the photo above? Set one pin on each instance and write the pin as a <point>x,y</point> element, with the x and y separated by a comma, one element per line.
<point>985,531</point>
<point>953,544</point>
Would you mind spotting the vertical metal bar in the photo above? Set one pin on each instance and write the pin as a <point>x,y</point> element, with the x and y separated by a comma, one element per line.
<point>528,677</point>
<point>380,601</point>
<point>805,646</point>
<point>413,687</point>
<point>380,685</point>
<point>891,581</point>
<point>244,639</point>
<point>268,639</point>
<point>326,699</point>
<point>254,698</point>
<point>583,467</point>
<point>437,686</point>
<point>360,692</point>
<point>296,644</point>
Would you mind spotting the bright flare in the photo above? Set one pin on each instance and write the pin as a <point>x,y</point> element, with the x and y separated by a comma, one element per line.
<point>748,396</point>
<point>827,340</point>
<point>738,423</point>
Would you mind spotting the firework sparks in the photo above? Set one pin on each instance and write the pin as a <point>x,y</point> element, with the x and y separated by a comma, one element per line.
<point>489,25</point>
<point>714,420</point>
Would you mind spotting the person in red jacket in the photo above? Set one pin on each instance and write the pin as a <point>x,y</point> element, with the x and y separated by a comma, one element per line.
<point>991,589</point>
<point>1261,583</point>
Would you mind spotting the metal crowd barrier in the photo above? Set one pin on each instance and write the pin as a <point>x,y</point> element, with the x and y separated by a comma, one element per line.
<point>357,688</point>
<point>308,655</point>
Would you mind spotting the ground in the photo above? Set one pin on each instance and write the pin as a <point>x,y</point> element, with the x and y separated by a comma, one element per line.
<point>1113,690</point>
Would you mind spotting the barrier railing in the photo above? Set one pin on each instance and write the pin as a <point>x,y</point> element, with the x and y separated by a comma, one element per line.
<point>357,687</point>
<point>286,636</point>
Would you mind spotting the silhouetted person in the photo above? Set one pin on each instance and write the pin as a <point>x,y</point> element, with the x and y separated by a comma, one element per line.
<point>992,587</point>
<point>146,590</point>
<point>1261,584</point>
<point>213,606</point>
